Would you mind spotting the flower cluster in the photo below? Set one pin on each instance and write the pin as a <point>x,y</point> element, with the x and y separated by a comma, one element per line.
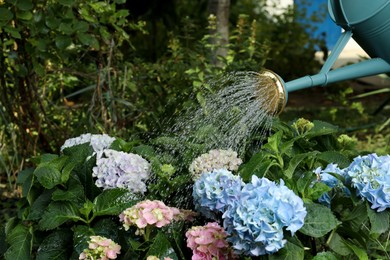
<point>100,248</point>
<point>148,213</point>
<point>215,159</point>
<point>370,175</point>
<point>256,220</point>
<point>215,190</point>
<point>116,169</point>
<point>98,142</point>
<point>331,181</point>
<point>208,242</point>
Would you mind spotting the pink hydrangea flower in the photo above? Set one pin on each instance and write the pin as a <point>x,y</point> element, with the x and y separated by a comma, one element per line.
<point>208,242</point>
<point>152,213</point>
<point>100,248</point>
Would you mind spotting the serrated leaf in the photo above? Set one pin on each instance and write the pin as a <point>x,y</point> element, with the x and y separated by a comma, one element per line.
<point>56,246</point>
<point>20,240</point>
<point>113,202</point>
<point>58,213</point>
<point>318,189</point>
<point>74,193</point>
<point>293,250</point>
<point>40,205</point>
<point>258,165</point>
<point>325,256</point>
<point>319,220</point>
<point>295,161</point>
<point>334,157</point>
<point>48,176</point>
<point>161,247</point>
<point>107,228</point>
<point>321,128</point>
<point>81,236</point>
<point>379,221</point>
<point>337,244</point>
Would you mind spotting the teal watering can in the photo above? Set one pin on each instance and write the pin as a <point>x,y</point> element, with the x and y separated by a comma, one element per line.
<point>368,23</point>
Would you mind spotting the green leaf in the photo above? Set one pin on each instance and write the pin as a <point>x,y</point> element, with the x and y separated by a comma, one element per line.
<point>24,5</point>
<point>107,228</point>
<point>57,245</point>
<point>81,236</point>
<point>63,41</point>
<point>295,161</point>
<point>161,247</point>
<point>293,250</point>
<point>325,256</point>
<point>74,193</point>
<point>48,176</point>
<point>81,27</point>
<point>274,142</point>
<point>5,14</point>
<point>321,128</point>
<point>66,28</point>
<point>337,244</point>
<point>359,252</point>
<point>379,221</point>
<point>24,175</point>
<point>52,22</point>
<point>40,205</point>
<point>334,157</point>
<point>58,213</point>
<point>318,189</point>
<point>24,15</point>
<point>20,240</point>
<point>113,202</point>
<point>319,220</point>
<point>258,165</point>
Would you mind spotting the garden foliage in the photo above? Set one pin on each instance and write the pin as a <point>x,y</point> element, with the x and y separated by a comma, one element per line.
<point>272,205</point>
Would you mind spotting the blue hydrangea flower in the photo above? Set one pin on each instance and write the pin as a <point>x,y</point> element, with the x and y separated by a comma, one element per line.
<point>331,181</point>
<point>256,220</point>
<point>214,190</point>
<point>370,175</point>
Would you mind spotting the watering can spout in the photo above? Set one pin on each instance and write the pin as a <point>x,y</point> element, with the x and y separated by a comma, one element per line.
<point>368,23</point>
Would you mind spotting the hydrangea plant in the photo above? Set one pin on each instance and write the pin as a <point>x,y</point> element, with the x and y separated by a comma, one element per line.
<point>209,242</point>
<point>100,248</point>
<point>215,159</point>
<point>326,176</point>
<point>97,141</point>
<point>116,169</point>
<point>215,190</point>
<point>256,220</point>
<point>370,175</point>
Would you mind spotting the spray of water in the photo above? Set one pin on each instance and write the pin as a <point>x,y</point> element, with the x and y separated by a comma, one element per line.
<point>243,106</point>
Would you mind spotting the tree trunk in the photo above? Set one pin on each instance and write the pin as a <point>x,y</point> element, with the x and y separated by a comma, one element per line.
<point>220,8</point>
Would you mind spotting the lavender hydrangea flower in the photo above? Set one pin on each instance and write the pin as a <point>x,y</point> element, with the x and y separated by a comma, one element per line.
<point>215,159</point>
<point>116,169</point>
<point>214,190</point>
<point>256,220</point>
<point>370,175</point>
<point>331,181</point>
<point>98,142</point>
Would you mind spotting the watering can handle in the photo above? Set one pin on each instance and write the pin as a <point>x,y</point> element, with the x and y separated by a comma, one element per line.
<point>335,53</point>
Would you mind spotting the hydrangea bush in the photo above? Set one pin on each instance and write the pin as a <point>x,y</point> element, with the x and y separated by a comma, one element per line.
<point>305,193</point>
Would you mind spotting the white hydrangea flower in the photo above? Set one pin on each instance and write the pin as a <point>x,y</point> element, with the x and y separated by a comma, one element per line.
<point>215,159</point>
<point>115,169</point>
<point>98,142</point>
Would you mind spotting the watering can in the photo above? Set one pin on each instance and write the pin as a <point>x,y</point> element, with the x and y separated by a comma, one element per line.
<point>368,23</point>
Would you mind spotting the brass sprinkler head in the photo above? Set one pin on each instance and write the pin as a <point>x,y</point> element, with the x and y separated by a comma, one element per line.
<point>271,89</point>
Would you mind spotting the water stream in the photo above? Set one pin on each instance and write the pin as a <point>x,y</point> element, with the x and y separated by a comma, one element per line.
<point>241,108</point>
